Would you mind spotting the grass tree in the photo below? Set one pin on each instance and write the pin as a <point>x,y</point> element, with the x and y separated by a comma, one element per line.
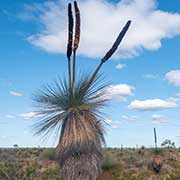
<point>155,138</point>
<point>72,108</point>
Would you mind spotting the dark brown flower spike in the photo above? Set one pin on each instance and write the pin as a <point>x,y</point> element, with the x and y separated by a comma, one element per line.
<point>70,31</point>
<point>117,42</point>
<point>77,28</point>
<point>70,41</point>
<point>112,50</point>
<point>76,40</point>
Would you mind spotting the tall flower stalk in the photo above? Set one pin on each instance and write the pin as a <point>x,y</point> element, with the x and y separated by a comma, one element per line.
<point>70,41</point>
<point>76,39</point>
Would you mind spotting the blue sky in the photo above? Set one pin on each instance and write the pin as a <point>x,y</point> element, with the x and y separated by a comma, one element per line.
<point>145,71</point>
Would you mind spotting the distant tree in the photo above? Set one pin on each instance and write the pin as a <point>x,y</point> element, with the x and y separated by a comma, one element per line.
<point>168,144</point>
<point>143,147</point>
<point>15,146</point>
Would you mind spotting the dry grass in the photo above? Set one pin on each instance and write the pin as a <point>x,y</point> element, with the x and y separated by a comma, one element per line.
<point>126,164</point>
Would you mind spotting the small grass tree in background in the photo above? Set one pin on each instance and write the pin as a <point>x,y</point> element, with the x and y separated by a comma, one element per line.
<point>155,138</point>
<point>156,150</point>
<point>71,108</point>
<point>157,160</point>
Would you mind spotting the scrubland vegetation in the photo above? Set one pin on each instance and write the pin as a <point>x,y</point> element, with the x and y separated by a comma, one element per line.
<point>118,164</point>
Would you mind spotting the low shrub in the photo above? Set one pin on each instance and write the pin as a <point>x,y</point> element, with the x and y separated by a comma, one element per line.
<point>157,151</point>
<point>51,174</point>
<point>9,170</point>
<point>108,163</point>
<point>49,154</point>
<point>30,173</point>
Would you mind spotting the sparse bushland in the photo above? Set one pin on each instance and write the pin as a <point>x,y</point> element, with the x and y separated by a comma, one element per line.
<point>118,164</point>
<point>108,163</point>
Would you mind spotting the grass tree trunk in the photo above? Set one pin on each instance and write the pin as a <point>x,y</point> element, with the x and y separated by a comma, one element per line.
<point>80,148</point>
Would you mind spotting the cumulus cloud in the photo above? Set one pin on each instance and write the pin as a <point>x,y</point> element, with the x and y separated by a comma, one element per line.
<point>119,92</point>
<point>120,66</point>
<point>175,100</point>
<point>150,76</point>
<point>113,124</point>
<point>178,135</point>
<point>10,116</point>
<point>152,104</point>
<point>178,94</point>
<point>101,23</point>
<point>159,119</point>
<point>129,118</point>
<point>173,77</point>
<point>3,137</point>
<point>29,115</point>
<point>14,93</point>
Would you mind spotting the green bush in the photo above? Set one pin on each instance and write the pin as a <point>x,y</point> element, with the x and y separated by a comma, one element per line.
<point>9,170</point>
<point>174,177</point>
<point>30,173</point>
<point>157,151</point>
<point>49,154</point>
<point>51,174</point>
<point>108,163</point>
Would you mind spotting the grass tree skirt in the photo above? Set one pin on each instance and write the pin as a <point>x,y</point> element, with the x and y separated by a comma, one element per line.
<point>80,148</point>
<point>84,167</point>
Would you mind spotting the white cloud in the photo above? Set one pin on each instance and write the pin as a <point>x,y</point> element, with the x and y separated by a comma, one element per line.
<point>129,118</point>
<point>150,76</point>
<point>178,135</point>
<point>113,124</point>
<point>3,137</point>
<point>152,104</point>
<point>120,66</point>
<point>26,132</point>
<point>10,116</point>
<point>159,119</point>
<point>174,77</point>
<point>14,93</point>
<point>174,99</point>
<point>119,92</point>
<point>101,23</point>
<point>178,94</point>
<point>29,115</point>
